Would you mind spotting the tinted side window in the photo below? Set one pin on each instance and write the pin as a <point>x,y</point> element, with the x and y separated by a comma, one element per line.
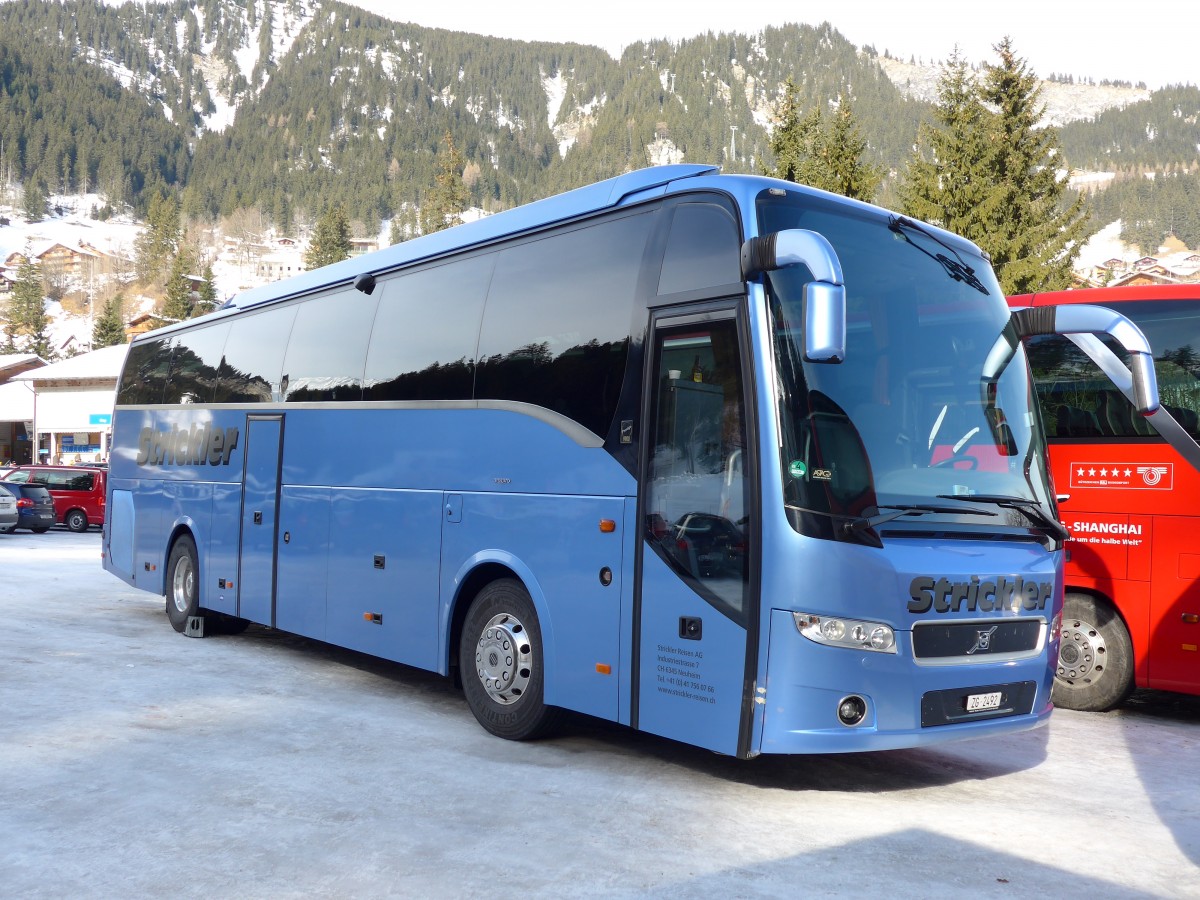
<point>194,364</point>
<point>145,372</point>
<point>425,334</point>
<point>556,329</point>
<point>252,366</point>
<point>325,353</point>
<point>703,249</point>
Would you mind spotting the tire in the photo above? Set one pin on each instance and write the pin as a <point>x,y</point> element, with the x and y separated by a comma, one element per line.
<point>182,583</point>
<point>76,520</point>
<point>502,666</point>
<point>1095,657</point>
<point>42,530</point>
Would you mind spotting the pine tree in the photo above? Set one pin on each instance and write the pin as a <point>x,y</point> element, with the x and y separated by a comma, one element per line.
<point>948,177</point>
<point>109,329</point>
<point>1034,235</point>
<point>160,240</point>
<point>826,156</point>
<point>35,200</point>
<point>847,172</point>
<point>208,292</point>
<point>447,200</point>
<point>178,302</point>
<point>26,324</point>
<point>793,141</point>
<point>992,176</point>
<point>331,240</point>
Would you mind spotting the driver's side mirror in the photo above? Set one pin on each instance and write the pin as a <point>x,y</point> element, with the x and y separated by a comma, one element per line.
<point>824,296</point>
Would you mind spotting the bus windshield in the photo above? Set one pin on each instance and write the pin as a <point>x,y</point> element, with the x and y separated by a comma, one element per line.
<point>909,423</point>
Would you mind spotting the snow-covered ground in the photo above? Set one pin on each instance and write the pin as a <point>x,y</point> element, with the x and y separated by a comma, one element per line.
<point>140,763</point>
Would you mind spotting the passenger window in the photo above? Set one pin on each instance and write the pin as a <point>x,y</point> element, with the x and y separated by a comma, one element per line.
<point>703,249</point>
<point>426,331</point>
<point>327,347</point>
<point>558,320</point>
<point>145,373</point>
<point>197,356</point>
<point>252,366</point>
<point>697,514</point>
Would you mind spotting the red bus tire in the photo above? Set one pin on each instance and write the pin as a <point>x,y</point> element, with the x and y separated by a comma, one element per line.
<point>1095,658</point>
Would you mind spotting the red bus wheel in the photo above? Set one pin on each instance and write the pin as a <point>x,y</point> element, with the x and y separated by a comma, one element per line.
<point>1095,657</point>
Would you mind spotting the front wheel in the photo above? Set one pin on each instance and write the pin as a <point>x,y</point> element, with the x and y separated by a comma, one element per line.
<point>1095,656</point>
<point>500,655</point>
<point>183,583</point>
<point>76,520</point>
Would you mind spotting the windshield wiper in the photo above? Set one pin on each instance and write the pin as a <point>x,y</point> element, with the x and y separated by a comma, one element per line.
<point>956,268</point>
<point>1031,508</point>
<point>909,509</point>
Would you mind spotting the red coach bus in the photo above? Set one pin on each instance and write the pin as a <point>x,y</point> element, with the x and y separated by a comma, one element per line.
<point>1127,495</point>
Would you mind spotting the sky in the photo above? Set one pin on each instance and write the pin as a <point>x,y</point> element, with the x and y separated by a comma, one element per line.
<point>1053,36</point>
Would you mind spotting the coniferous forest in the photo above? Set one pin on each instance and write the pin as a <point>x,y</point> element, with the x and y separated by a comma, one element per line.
<point>291,107</point>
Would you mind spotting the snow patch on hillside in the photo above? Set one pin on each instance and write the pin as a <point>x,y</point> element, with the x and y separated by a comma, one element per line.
<point>1064,102</point>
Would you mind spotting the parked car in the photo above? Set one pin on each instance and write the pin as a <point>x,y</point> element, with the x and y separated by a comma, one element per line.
<point>8,511</point>
<point>78,492</point>
<point>35,506</point>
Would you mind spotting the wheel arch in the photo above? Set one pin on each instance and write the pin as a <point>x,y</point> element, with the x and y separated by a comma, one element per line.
<point>471,578</point>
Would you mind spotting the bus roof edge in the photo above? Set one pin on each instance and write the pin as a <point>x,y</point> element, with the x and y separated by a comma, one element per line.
<point>538,214</point>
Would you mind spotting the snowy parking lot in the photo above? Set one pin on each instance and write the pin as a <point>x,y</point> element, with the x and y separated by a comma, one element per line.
<point>136,762</point>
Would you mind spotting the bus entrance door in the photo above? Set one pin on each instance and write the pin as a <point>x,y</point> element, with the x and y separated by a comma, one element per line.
<point>695,596</point>
<point>260,505</point>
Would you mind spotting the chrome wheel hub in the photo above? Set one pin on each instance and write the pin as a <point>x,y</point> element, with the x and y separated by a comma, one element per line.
<point>1081,651</point>
<point>183,584</point>
<point>504,659</point>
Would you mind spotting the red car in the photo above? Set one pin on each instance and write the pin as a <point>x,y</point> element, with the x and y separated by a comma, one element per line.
<point>78,491</point>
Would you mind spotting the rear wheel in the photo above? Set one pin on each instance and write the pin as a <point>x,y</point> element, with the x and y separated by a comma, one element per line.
<point>500,655</point>
<point>41,530</point>
<point>1095,657</point>
<point>76,520</point>
<point>183,583</point>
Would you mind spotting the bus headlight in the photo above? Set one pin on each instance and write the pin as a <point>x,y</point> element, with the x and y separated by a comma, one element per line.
<point>852,633</point>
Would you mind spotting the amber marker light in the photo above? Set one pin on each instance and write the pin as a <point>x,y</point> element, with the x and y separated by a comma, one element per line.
<point>1191,618</point>
<point>604,668</point>
<point>608,526</point>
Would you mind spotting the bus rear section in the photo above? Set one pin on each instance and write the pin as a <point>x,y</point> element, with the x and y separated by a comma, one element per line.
<point>1132,615</point>
<point>720,458</point>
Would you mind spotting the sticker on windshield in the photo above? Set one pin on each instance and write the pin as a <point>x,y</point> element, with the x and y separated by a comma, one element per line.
<point>797,469</point>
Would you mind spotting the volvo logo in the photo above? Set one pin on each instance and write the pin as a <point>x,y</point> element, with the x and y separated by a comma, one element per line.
<point>983,639</point>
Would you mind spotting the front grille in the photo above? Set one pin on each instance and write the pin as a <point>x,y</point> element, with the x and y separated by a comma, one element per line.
<point>983,640</point>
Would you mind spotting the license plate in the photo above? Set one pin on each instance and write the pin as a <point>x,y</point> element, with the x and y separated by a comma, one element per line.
<point>982,702</point>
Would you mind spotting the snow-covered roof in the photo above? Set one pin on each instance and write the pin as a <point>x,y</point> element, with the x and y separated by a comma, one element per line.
<point>104,363</point>
<point>16,360</point>
<point>16,402</point>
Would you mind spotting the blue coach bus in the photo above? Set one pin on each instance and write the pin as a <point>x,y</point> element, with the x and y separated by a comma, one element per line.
<point>721,458</point>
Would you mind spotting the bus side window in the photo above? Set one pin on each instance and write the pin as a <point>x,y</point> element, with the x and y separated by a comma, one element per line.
<point>703,249</point>
<point>425,332</point>
<point>252,366</point>
<point>145,373</point>
<point>194,364</point>
<point>559,317</point>
<point>327,347</point>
